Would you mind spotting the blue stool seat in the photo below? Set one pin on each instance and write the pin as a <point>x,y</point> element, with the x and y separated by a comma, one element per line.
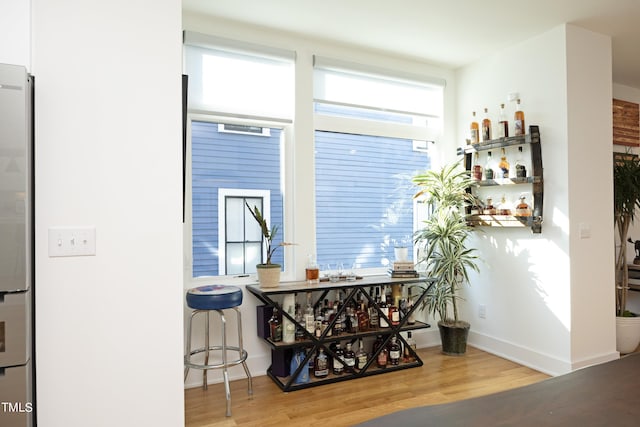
<point>214,297</point>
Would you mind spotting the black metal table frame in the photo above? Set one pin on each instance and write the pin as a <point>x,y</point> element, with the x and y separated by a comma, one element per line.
<point>311,341</point>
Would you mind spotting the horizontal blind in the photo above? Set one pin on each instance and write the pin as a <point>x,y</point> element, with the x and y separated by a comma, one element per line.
<point>235,78</point>
<point>351,84</point>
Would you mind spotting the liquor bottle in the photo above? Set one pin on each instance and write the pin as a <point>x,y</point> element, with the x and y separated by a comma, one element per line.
<point>394,351</point>
<point>300,324</point>
<point>309,317</point>
<point>521,169</point>
<point>374,320</point>
<point>488,169</point>
<point>275,326</point>
<point>384,309</point>
<point>349,359</point>
<point>394,314</point>
<point>288,326</point>
<point>411,344</point>
<point>321,368</point>
<point>312,271</point>
<point>503,124</point>
<point>486,126</point>
<point>377,343</point>
<point>338,366</point>
<point>518,119</point>
<point>477,168</point>
<point>383,358</point>
<point>296,360</point>
<point>489,209</point>
<point>363,317</point>
<point>318,327</point>
<point>411,320</point>
<point>522,208</point>
<point>504,208</point>
<point>503,166</point>
<point>361,356</point>
<point>474,136</point>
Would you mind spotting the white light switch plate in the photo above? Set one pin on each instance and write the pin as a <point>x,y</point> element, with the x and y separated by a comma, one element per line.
<point>72,241</point>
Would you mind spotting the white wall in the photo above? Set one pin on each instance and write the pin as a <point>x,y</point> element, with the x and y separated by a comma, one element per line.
<point>589,94</point>
<point>15,32</point>
<point>534,287</point>
<point>108,149</point>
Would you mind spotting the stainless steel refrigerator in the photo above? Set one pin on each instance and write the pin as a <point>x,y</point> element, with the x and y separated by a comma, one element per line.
<point>17,404</point>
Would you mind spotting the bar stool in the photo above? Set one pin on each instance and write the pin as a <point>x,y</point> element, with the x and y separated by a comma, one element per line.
<point>216,298</point>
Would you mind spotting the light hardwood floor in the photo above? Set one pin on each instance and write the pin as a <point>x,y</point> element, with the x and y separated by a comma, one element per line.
<point>441,379</point>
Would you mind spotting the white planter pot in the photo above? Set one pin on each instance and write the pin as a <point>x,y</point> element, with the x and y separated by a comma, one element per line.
<point>627,334</point>
<point>268,275</point>
<point>401,253</point>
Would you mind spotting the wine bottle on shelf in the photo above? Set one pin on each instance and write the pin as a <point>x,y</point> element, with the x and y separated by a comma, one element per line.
<point>394,314</point>
<point>394,351</point>
<point>521,169</point>
<point>486,126</point>
<point>374,320</point>
<point>503,124</point>
<point>309,317</point>
<point>503,166</point>
<point>518,119</point>
<point>489,209</point>
<point>522,208</point>
<point>361,356</point>
<point>363,317</point>
<point>412,319</point>
<point>477,168</point>
<point>383,358</point>
<point>349,359</point>
<point>474,130</point>
<point>411,343</point>
<point>338,360</point>
<point>275,326</point>
<point>489,168</point>
<point>384,309</point>
<point>321,368</point>
<point>300,324</point>
<point>504,208</point>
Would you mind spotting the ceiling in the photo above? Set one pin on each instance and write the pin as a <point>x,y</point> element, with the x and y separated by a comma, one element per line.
<point>450,33</point>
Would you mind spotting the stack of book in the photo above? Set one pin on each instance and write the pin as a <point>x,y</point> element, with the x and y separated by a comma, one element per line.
<point>403,269</point>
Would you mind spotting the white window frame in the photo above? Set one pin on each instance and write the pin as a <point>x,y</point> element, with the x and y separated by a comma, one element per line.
<point>223,193</point>
<point>286,182</point>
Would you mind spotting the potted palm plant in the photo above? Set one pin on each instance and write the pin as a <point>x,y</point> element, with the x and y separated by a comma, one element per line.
<point>268,272</point>
<point>445,255</point>
<point>626,199</point>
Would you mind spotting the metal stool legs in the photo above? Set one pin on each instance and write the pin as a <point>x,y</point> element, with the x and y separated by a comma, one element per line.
<point>226,363</point>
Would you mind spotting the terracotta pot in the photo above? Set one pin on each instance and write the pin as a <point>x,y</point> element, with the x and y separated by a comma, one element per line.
<point>454,337</point>
<point>268,275</point>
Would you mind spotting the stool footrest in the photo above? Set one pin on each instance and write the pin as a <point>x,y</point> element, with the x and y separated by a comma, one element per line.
<point>189,364</point>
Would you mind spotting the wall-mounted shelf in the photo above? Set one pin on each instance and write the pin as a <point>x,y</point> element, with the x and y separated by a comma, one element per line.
<point>533,181</point>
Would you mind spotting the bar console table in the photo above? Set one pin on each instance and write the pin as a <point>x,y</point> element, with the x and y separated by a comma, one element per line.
<point>359,290</point>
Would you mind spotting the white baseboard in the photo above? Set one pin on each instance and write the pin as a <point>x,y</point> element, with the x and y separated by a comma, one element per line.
<point>533,359</point>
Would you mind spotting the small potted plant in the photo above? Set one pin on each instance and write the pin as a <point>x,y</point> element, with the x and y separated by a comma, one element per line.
<point>446,256</point>
<point>268,273</point>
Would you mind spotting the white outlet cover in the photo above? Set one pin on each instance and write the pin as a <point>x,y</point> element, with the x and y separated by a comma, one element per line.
<point>72,241</point>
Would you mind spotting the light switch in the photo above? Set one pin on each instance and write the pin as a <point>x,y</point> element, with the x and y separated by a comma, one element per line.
<point>584,230</point>
<point>72,241</point>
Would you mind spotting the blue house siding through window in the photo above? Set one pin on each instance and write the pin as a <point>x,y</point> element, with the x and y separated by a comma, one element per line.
<point>363,191</point>
<point>229,160</point>
<point>363,196</point>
